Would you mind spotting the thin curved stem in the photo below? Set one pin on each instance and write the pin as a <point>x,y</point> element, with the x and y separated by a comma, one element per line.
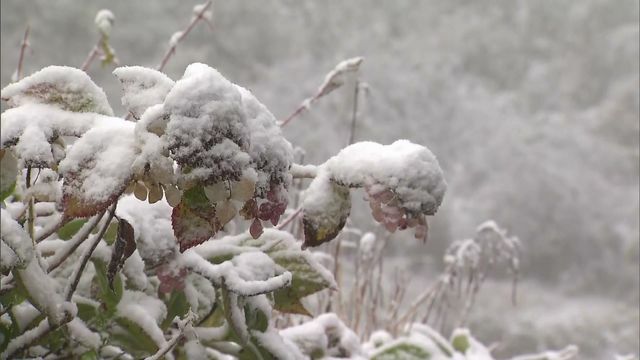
<point>172,49</point>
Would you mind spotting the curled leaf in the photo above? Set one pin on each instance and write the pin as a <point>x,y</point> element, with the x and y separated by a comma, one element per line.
<point>124,246</point>
<point>326,209</point>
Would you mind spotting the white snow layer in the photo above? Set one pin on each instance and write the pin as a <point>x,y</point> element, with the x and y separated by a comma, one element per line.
<point>143,87</point>
<point>410,170</point>
<point>62,86</point>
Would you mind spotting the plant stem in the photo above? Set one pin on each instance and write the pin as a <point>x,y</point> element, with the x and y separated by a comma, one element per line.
<point>82,234</point>
<point>77,273</point>
<point>90,57</point>
<point>174,340</point>
<point>354,114</point>
<point>172,49</point>
<point>23,48</point>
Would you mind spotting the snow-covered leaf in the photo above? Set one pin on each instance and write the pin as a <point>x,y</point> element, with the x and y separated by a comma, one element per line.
<point>97,169</point>
<point>402,349</point>
<point>308,275</point>
<point>143,87</point>
<point>326,209</point>
<point>64,87</point>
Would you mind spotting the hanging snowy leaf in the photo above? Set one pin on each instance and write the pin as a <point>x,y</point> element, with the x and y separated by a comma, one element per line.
<point>326,208</point>
<point>64,87</point>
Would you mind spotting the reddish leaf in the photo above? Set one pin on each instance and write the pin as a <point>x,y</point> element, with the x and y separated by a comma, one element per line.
<point>192,227</point>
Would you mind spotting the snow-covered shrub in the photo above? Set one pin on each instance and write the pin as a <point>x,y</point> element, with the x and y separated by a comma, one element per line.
<point>128,246</point>
<point>159,234</point>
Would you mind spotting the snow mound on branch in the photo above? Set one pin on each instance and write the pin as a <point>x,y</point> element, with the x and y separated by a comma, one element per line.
<point>72,89</point>
<point>143,87</point>
<point>108,150</point>
<point>216,130</point>
<point>31,127</point>
<point>207,131</point>
<point>271,153</point>
<point>410,170</point>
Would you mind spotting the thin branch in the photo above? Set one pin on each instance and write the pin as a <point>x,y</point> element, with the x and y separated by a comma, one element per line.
<point>53,227</point>
<point>77,273</point>
<point>23,48</point>
<point>174,43</point>
<point>24,341</point>
<point>289,219</point>
<point>354,114</point>
<point>303,171</point>
<point>91,56</point>
<point>59,257</point>
<point>182,324</point>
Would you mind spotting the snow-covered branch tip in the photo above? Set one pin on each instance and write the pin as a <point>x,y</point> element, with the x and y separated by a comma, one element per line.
<point>200,13</point>
<point>183,324</point>
<point>333,80</point>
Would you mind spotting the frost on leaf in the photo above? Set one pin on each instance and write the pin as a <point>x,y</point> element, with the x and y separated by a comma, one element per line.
<point>97,168</point>
<point>207,131</point>
<point>403,181</point>
<point>143,87</point>
<point>308,275</point>
<point>64,87</point>
<point>35,131</point>
<point>326,207</point>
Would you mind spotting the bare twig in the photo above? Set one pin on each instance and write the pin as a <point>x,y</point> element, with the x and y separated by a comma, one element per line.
<point>82,234</point>
<point>182,324</point>
<point>289,219</point>
<point>23,48</point>
<point>174,43</point>
<point>333,80</point>
<point>55,226</point>
<point>91,56</point>
<point>354,114</point>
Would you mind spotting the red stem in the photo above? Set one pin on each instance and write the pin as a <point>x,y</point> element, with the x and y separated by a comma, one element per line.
<point>172,50</point>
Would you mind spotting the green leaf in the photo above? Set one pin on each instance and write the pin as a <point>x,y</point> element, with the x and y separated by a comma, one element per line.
<point>460,340</point>
<point>255,318</point>
<point>326,208</point>
<point>133,338</point>
<point>110,298</point>
<point>111,233</point>
<point>8,173</point>
<point>89,355</point>
<point>64,87</point>
<point>6,333</point>
<point>71,228</point>
<point>308,277</point>
<point>177,305</point>
<point>402,349</point>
